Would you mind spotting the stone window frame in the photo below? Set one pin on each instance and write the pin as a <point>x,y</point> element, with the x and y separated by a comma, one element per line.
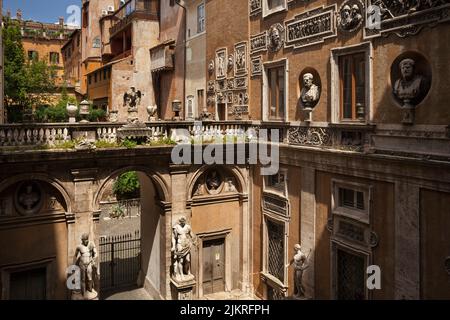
<point>336,53</point>
<point>362,216</point>
<point>284,62</point>
<point>283,193</point>
<point>362,252</point>
<point>267,12</point>
<point>269,279</point>
<point>48,263</point>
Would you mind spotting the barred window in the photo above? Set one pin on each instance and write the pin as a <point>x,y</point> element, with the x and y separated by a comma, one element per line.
<point>275,254</point>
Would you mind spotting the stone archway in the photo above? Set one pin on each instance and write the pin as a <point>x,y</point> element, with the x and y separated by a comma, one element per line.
<point>153,207</point>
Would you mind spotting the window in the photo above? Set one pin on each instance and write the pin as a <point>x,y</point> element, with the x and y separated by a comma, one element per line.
<point>86,18</point>
<point>54,57</point>
<point>352,200</point>
<point>33,55</point>
<point>350,276</point>
<point>352,86</point>
<point>90,79</point>
<point>277,182</point>
<point>105,74</point>
<point>351,76</point>
<point>276,93</point>
<point>201,18</point>
<point>78,41</point>
<point>273,6</point>
<point>275,250</point>
<point>95,77</point>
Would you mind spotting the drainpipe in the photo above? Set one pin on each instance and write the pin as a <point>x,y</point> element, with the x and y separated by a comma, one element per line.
<point>185,56</point>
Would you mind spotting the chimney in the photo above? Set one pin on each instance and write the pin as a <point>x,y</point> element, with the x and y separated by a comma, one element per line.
<point>61,22</point>
<point>19,14</point>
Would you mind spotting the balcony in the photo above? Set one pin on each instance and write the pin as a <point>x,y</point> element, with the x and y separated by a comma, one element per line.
<point>133,9</point>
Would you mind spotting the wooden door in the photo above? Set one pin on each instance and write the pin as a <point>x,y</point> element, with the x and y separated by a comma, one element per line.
<point>28,285</point>
<point>213,266</point>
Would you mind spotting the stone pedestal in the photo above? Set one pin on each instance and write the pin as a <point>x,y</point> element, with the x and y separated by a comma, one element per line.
<point>88,295</point>
<point>182,290</point>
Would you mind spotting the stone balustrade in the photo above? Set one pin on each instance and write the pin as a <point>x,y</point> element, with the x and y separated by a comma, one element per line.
<point>416,142</point>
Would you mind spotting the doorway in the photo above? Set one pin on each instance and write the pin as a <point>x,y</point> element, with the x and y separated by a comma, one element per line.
<point>213,266</point>
<point>222,112</point>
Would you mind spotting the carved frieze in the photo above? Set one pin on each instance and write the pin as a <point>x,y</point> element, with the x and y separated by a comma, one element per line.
<point>311,27</point>
<point>256,66</point>
<point>240,83</point>
<point>351,231</point>
<point>403,18</point>
<point>221,63</point>
<point>307,136</point>
<point>211,86</point>
<point>240,59</point>
<point>276,204</point>
<point>258,42</point>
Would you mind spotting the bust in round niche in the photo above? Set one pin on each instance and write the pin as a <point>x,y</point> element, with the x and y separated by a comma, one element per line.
<point>213,181</point>
<point>28,199</point>
<point>411,82</point>
<point>309,89</point>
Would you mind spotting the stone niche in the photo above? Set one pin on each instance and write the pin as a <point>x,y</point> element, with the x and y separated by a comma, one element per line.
<point>303,93</point>
<point>411,79</point>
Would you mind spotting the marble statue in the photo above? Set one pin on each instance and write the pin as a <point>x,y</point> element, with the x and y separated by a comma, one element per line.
<point>300,262</point>
<point>182,242</point>
<point>85,259</point>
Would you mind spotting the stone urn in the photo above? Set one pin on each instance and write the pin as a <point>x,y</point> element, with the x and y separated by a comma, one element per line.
<point>72,110</point>
<point>152,112</point>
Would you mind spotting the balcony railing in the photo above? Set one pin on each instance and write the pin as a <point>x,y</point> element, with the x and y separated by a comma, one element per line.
<point>360,138</point>
<point>144,9</point>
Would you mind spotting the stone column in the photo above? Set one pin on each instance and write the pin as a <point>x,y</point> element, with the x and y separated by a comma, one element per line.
<point>178,175</point>
<point>246,245</point>
<point>82,210</point>
<point>407,241</point>
<point>308,225</point>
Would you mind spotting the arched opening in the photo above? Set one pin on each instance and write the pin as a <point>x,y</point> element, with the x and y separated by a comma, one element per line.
<point>33,224</point>
<point>131,232</point>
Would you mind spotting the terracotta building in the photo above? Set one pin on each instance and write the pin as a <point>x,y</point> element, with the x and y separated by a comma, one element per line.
<point>44,41</point>
<point>71,53</point>
<point>355,104</point>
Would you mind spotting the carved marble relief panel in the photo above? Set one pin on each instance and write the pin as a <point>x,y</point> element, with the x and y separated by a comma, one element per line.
<point>403,18</point>
<point>256,66</point>
<point>240,59</point>
<point>258,42</point>
<point>311,27</point>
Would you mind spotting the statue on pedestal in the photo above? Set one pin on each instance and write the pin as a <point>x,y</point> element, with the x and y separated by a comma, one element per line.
<point>182,242</point>
<point>85,256</point>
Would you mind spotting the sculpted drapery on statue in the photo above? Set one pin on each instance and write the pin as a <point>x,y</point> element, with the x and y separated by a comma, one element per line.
<point>182,242</point>
<point>85,259</point>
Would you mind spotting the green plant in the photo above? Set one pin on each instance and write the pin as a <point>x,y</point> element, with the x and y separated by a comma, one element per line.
<point>129,144</point>
<point>70,144</point>
<point>103,144</point>
<point>117,212</point>
<point>163,142</point>
<point>96,115</point>
<point>127,186</point>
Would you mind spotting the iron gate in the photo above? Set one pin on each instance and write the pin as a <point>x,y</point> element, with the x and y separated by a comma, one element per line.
<point>120,260</point>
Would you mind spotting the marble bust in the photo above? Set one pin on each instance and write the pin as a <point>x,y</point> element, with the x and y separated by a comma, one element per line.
<point>411,86</point>
<point>310,92</point>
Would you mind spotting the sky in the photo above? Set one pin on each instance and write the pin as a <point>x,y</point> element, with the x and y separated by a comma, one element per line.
<point>45,10</point>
